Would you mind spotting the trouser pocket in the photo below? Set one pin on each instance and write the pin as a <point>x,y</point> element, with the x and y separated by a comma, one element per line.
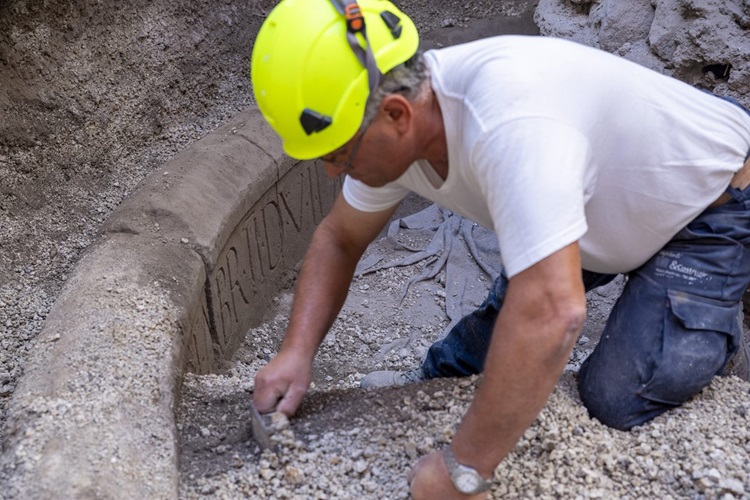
<point>698,338</point>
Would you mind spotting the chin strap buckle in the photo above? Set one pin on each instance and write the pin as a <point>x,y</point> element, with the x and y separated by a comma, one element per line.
<point>355,21</point>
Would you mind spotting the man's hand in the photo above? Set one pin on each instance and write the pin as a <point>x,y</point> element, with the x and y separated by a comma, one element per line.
<point>336,246</point>
<point>429,480</point>
<point>282,383</point>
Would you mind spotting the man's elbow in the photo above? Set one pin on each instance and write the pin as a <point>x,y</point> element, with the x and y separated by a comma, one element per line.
<point>569,320</point>
<point>573,318</point>
<point>558,327</point>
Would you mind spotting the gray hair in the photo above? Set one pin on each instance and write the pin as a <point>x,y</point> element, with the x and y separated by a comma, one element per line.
<point>406,79</point>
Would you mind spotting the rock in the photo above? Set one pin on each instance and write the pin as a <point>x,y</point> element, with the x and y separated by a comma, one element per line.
<point>703,43</point>
<point>293,475</point>
<point>361,466</point>
<point>731,485</point>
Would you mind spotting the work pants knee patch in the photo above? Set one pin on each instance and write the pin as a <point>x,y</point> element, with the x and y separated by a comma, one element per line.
<point>698,338</point>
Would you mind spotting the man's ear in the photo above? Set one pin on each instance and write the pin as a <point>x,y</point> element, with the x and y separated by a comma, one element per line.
<point>397,110</point>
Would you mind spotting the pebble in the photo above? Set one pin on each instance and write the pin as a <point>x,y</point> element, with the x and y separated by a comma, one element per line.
<point>361,466</point>
<point>732,485</point>
<point>294,475</point>
<point>564,440</point>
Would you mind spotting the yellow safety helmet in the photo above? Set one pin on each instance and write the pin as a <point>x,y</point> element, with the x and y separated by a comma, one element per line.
<point>315,62</point>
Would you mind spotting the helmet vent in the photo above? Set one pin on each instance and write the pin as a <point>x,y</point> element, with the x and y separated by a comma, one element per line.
<point>393,22</point>
<point>312,121</point>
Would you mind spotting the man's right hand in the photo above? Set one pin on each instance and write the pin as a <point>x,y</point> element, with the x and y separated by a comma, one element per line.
<point>282,383</point>
<point>337,244</point>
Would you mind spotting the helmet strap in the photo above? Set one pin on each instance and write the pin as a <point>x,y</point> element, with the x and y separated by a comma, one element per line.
<point>355,23</point>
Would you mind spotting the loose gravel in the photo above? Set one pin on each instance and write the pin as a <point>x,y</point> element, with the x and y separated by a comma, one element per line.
<point>349,443</point>
<point>89,129</point>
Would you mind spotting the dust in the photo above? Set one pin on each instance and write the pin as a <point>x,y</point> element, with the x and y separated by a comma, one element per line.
<point>346,442</point>
<point>96,96</point>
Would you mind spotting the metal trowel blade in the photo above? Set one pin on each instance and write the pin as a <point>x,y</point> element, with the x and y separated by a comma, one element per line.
<point>261,428</point>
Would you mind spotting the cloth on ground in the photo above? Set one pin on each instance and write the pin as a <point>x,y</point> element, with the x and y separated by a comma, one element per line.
<point>468,252</point>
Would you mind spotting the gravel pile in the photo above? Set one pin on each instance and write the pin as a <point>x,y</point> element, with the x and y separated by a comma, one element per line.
<point>94,99</point>
<point>349,443</point>
<point>699,451</point>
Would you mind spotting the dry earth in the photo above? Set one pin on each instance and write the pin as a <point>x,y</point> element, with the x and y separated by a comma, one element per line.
<point>349,443</point>
<point>95,96</point>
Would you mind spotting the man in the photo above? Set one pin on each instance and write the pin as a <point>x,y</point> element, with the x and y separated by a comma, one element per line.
<point>578,160</point>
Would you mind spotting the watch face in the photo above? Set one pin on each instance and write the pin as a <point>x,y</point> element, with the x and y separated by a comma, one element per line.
<point>467,482</point>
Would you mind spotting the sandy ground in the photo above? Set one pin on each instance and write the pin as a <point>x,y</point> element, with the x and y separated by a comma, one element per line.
<point>95,97</point>
<point>350,443</point>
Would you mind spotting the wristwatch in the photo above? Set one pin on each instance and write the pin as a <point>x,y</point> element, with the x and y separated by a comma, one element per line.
<point>466,480</point>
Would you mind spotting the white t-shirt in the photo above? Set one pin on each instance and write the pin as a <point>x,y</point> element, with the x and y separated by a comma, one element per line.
<point>551,142</point>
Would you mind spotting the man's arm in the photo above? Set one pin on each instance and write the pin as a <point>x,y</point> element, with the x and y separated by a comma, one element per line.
<point>542,315</point>
<point>327,270</point>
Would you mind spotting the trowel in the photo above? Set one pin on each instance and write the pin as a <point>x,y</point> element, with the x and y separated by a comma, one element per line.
<point>262,429</point>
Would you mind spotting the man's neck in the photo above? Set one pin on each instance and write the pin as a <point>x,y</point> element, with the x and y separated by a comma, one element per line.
<point>435,146</point>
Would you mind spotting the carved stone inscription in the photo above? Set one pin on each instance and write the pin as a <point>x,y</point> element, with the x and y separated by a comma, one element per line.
<point>252,268</point>
<point>200,352</point>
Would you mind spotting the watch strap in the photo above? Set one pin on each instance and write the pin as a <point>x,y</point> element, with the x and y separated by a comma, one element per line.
<point>455,469</point>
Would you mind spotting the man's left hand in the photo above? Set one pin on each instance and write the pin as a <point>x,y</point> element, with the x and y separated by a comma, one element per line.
<point>429,479</point>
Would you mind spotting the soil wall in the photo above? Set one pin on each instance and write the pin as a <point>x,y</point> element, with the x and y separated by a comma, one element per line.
<point>702,42</point>
<point>95,97</point>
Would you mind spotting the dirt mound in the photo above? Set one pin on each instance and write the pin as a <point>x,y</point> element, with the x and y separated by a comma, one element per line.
<point>702,42</point>
<point>95,96</point>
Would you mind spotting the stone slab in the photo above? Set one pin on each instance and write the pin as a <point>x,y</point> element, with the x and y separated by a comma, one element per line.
<point>181,270</point>
<point>93,416</point>
<point>259,256</point>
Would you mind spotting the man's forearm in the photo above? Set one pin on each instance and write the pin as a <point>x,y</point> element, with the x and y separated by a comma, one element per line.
<point>542,315</point>
<point>521,370</point>
<point>321,291</point>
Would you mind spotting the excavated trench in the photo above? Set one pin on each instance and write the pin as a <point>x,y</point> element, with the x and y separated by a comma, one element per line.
<point>135,382</point>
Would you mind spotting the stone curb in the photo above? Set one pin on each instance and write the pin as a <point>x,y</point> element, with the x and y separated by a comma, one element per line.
<point>181,270</point>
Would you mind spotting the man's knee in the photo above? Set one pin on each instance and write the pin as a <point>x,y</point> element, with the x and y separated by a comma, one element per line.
<point>625,394</point>
<point>618,405</point>
<point>659,348</point>
<point>613,403</point>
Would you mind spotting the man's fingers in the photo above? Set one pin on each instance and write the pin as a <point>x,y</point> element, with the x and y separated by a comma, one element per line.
<point>266,398</point>
<point>281,385</point>
<point>414,470</point>
<point>291,400</point>
<point>282,397</point>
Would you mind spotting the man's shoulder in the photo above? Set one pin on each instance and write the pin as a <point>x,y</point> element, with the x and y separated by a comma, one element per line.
<point>517,65</point>
<point>513,46</point>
